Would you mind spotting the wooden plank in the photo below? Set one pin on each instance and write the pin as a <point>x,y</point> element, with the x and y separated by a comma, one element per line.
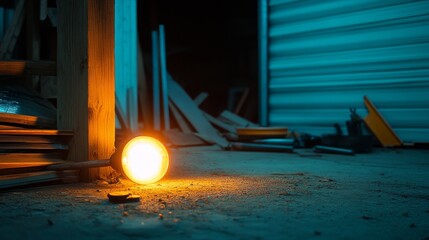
<point>18,68</point>
<point>181,121</point>
<point>220,124</point>
<point>60,166</point>
<point>25,179</point>
<point>132,115</point>
<point>14,165</point>
<point>35,136</point>
<point>125,60</point>
<point>101,72</point>
<point>39,132</point>
<point>120,116</point>
<point>86,98</point>
<point>163,74</point>
<point>27,121</point>
<point>31,146</point>
<point>11,36</point>
<point>241,101</point>
<point>155,85</point>
<point>32,139</point>
<point>143,91</point>
<point>198,100</point>
<point>236,120</point>
<point>252,133</point>
<point>180,139</point>
<point>51,157</point>
<point>380,127</point>
<point>79,165</point>
<point>195,117</point>
<point>15,168</point>
<point>9,127</point>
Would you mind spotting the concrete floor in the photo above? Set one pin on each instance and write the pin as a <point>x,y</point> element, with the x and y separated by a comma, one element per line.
<point>213,194</point>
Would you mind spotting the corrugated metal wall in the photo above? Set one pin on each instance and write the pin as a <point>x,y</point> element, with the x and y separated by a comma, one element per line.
<point>324,56</point>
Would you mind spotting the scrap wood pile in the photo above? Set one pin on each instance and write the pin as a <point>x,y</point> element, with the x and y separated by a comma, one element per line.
<point>29,143</point>
<point>228,130</point>
<point>233,132</point>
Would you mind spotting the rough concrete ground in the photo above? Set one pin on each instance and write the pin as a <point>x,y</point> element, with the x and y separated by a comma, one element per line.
<point>213,194</point>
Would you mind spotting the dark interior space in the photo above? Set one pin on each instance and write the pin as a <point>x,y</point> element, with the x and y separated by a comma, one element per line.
<point>211,47</point>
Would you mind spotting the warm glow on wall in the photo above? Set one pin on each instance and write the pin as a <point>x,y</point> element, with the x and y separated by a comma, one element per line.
<point>144,160</point>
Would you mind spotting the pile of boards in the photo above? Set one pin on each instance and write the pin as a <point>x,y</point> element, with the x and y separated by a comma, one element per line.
<point>233,132</point>
<point>29,143</point>
<point>228,130</point>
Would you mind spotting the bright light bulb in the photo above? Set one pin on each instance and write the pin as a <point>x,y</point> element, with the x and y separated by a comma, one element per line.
<point>144,160</point>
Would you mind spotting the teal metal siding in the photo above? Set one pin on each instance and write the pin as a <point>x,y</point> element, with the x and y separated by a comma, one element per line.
<point>324,56</point>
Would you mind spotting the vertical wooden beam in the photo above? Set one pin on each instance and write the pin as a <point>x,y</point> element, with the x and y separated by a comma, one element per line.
<point>143,93</point>
<point>126,59</point>
<point>155,86</point>
<point>163,73</point>
<point>86,82</point>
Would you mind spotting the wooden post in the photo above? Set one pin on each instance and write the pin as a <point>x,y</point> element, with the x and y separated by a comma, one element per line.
<point>126,60</point>
<point>155,79</point>
<point>163,74</point>
<point>86,82</point>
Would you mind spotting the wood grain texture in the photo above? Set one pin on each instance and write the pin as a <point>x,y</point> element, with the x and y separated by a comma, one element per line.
<point>101,72</point>
<point>31,157</point>
<point>33,139</point>
<point>18,68</point>
<point>86,99</point>
<point>26,120</point>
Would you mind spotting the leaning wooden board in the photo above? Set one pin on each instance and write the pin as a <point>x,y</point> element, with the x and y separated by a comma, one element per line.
<point>181,121</point>
<point>187,106</point>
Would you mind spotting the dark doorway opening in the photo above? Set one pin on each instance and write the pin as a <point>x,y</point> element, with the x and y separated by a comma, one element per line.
<point>211,47</point>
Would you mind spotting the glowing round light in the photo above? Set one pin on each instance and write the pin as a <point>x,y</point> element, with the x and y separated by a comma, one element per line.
<point>144,160</point>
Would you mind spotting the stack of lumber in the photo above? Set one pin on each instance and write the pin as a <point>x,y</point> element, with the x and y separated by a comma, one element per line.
<point>26,154</point>
<point>28,141</point>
